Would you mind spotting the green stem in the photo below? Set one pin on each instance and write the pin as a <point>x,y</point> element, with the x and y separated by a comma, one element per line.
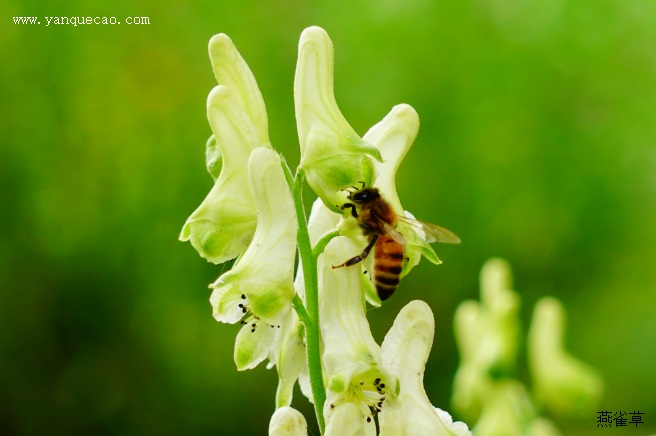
<point>323,241</point>
<point>309,314</point>
<point>300,310</point>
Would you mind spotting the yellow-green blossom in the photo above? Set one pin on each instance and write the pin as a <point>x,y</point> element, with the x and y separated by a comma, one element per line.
<point>221,228</point>
<point>394,136</point>
<point>405,351</point>
<point>562,382</point>
<point>351,357</point>
<point>487,334</point>
<point>333,156</point>
<point>287,422</point>
<point>259,288</point>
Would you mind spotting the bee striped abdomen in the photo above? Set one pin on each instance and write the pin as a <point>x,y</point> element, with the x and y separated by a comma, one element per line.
<point>388,264</point>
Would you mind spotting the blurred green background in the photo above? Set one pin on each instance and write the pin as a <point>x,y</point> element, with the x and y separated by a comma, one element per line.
<point>538,144</point>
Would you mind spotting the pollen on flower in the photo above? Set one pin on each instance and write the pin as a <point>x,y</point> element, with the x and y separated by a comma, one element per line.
<point>367,393</point>
<point>251,319</point>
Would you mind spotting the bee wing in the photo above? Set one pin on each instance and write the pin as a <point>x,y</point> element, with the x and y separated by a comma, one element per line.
<point>434,233</point>
<point>391,231</point>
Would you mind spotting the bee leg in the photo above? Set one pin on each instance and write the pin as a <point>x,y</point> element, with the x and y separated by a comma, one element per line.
<point>352,206</point>
<point>362,256</point>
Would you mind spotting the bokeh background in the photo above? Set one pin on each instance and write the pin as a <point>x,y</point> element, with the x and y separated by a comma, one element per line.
<point>537,144</point>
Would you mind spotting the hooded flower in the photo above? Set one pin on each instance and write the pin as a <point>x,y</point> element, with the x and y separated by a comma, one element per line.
<point>562,382</point>
<point>405,352</point>
<point>357,385</point>
<point>333,156</point>
<point>487,334</point>
<point>221,228</point>
<point>287,422</point>
<point>394,136</point>
<point>259,288</point>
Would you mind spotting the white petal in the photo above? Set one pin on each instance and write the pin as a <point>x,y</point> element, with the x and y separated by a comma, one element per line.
<point>333,156</point>
<point>264,273</point>
<point>231,70</point>
<point>223,225</point>
<point>225,302</point>
<point>408,343</point>
<point>316,108</point>
<point>253,346</point>
<point>393,136</point>
<point>287,422</point>
<point>458,428</point>
<point>348,420</point>
<point>344,327</point>
<point>290,359</point>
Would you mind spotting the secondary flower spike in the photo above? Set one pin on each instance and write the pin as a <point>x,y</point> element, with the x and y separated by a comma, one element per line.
<point>221,228</point>
<point>259,288</point>
<point>333,156</point>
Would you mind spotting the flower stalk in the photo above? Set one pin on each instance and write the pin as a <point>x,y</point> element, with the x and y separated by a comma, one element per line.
<point>309,315</point>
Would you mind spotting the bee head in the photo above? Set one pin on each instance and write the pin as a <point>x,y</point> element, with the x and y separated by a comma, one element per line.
<point>364,195</point>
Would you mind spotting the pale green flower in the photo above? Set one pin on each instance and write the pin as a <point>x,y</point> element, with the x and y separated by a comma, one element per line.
<point>487,334</point>
<point>507,410</point>
<point>347,420</point>
<point>351,357</point>
<point>221,228</point>
<point>287,422</point>
<point>542,427</point>
<point>260,286</point>
<point>405,351</point>
<point>290,359</point>
<point>394,136</point>
<point>562,382</point>
<point>333,156</point>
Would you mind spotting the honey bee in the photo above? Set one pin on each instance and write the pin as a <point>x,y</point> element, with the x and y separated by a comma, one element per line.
<point>378,221</point>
